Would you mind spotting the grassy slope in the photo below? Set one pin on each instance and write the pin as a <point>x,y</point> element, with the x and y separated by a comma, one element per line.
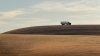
<point>49,45</point>
<point>58,29</point>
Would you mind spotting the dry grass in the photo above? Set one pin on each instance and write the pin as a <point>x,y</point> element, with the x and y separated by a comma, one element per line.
<point>59,30</point>
<point>49,45</point>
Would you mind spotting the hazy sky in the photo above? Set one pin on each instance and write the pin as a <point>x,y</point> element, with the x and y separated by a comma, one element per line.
<point>25,13</point>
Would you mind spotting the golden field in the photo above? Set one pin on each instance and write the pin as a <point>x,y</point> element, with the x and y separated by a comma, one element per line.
<point>49,45</point>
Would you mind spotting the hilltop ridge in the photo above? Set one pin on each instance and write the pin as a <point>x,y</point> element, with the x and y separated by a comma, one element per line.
<point>59,30</point>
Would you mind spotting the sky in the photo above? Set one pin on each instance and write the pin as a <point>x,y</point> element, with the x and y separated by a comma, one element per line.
<point>16,14</point>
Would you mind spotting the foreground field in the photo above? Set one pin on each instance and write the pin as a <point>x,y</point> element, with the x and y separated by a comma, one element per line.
<point>49,45</point>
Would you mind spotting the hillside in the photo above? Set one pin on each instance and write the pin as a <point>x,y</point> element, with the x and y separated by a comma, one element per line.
<point>49,45</point>
<point>59,29</point>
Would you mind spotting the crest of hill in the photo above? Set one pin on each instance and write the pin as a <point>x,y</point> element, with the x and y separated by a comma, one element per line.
<point>59,30</point>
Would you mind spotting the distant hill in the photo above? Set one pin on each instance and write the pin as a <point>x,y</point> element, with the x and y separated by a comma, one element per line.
<point>59,30</point>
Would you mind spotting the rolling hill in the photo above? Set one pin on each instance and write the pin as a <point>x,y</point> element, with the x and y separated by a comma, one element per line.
<point>49,45</point>
<point>59,30</point>
<point>56,40</point>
